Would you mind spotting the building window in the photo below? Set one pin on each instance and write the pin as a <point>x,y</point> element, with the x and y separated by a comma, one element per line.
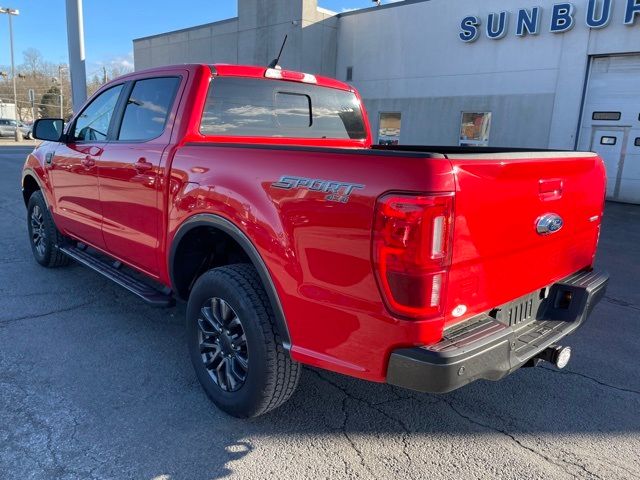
<point>389,128</point>
<point>475,128</point>
<point>608,141</point>
<point>637,144</point>
<point>609,116</point>
<point>349,74</point>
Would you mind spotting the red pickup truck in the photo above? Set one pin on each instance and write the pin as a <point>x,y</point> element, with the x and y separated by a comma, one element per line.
<point>256,196</point>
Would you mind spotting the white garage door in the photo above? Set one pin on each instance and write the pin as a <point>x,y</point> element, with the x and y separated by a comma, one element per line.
<point>611,122</point>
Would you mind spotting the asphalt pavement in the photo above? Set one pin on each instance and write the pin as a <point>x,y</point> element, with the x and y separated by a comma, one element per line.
<point>96,385</point>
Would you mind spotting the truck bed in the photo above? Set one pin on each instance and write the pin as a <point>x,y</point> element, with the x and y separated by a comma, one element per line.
<point>454,150</point>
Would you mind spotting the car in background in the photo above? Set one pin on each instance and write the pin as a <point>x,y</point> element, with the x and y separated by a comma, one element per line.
<point>8,128</point>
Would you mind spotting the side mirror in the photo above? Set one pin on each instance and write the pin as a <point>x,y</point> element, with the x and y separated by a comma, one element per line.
<point>51,129</point>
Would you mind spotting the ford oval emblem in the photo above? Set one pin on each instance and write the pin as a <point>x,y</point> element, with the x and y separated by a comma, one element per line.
<point>549,223</point>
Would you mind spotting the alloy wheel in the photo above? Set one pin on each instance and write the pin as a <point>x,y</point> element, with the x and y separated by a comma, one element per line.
<point>38,232</point>
<point>223,344</point>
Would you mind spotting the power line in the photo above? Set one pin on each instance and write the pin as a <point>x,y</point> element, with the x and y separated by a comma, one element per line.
<point>10,101</point>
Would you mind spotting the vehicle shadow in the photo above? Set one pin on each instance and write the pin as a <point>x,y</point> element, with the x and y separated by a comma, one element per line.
<point>110,391</point>
<point>532,403</point>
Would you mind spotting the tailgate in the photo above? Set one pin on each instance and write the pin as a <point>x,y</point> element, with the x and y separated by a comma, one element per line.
<point>498,254</point>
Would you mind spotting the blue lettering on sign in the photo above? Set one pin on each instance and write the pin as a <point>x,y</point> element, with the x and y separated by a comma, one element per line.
<point>470,32</point>
<point>633,9</point>
<point>598,15</point>
<point>528,22</point>
<point>598,18</point>
<point>562,17</point>
<point>495,32</point>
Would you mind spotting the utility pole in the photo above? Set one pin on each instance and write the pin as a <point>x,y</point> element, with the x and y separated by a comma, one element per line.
<point>32,100</point>
<point>10,13</point>
<point>61,83</point>
<point>75,40</point>
<point>104,74</point>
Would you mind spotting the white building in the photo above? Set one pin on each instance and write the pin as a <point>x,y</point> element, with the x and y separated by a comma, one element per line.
<point>543,74</point>
<point>7,110</point>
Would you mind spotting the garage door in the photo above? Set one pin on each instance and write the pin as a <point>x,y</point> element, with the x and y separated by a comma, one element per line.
<point>611,122</point>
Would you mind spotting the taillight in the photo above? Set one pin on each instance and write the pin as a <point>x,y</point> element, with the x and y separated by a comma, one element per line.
<point>412,252</point>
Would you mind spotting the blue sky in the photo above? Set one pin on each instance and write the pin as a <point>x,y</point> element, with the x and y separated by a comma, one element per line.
<point>111,25</point>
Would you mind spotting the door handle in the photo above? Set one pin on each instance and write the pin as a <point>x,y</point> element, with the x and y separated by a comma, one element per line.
<point>550,189</point>
<point>142,165</point>
<point>88,162</point>
<point>94,151</point>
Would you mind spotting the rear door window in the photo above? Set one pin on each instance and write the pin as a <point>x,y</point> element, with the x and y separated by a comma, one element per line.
<point>248,107</point>
<point>147,109</point>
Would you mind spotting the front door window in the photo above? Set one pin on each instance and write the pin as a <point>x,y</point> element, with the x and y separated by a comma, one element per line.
<point>93,123</point>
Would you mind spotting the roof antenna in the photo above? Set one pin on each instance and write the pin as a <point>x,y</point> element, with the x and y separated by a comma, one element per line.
<point>274,62</point>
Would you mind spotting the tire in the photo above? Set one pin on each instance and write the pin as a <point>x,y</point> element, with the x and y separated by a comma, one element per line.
<point>44,237</point>
<point>232,299</point>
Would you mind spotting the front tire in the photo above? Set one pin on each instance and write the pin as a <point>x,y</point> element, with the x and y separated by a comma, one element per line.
<point>43,235</point>
<point>234,344</point>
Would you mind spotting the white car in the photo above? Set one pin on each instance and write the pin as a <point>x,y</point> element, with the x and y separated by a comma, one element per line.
<point>8,128</point>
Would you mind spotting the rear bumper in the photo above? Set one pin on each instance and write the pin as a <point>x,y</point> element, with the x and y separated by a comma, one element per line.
<point>488,347</point>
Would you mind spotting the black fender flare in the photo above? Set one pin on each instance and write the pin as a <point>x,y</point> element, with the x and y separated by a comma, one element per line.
<point>28,172</point>
<point>224,225</point>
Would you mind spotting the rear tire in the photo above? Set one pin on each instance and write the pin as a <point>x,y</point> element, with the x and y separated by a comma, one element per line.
<point>234,343</point>
<point>44,237</point>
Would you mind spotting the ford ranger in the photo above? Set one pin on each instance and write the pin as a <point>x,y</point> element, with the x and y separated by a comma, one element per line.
<point>255,195</point>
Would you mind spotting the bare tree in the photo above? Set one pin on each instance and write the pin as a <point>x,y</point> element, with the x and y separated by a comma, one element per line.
<point>105,74</point>
<point>50,83</point>
<point>33,63</point>
<point>37,75</point>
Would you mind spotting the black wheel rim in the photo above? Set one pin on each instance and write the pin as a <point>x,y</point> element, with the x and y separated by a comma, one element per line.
<point>38,234</point>
<point>223,344</point>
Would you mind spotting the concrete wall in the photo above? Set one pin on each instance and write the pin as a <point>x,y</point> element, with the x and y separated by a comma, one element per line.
<point>436,120</point>
<point>254,38</point>
<point>533,85</point>
<point>407,57</point>
<point>198,44</point>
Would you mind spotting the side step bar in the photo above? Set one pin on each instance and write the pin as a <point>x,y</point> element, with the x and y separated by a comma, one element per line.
<point>146,292</point>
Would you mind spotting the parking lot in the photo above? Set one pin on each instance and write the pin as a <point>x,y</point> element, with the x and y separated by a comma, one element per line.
<point>95,384</point>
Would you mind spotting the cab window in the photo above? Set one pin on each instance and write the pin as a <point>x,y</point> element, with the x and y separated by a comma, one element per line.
<point>148,108</point>
<point>93,122</point>
<point>247,107</point>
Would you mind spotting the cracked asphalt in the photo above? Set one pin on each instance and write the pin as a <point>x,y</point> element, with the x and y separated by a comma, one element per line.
<point>96,385</point>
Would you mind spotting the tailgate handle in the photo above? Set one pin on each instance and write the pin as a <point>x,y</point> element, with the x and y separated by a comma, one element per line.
<point>550,189</point>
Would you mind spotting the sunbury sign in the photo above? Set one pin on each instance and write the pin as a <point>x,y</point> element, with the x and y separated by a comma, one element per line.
<point>528,21</point>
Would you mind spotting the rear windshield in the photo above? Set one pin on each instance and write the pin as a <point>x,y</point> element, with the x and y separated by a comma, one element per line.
<point>248,107</point>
